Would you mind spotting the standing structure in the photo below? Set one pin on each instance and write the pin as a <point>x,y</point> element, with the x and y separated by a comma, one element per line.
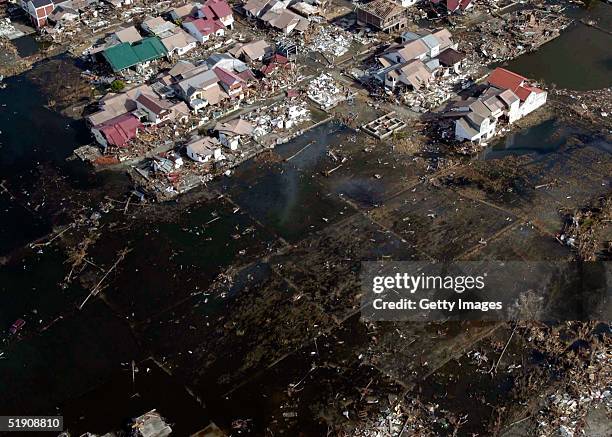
<point>383,15</point>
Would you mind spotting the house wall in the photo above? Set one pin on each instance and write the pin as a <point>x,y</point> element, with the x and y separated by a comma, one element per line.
<point>228,21</point>
<point>514,112</point>
<point>533,102</point>
<point>193,31</point>
<point>198,158</point>
<point>99,137</point>
<point>39,16</point>
<point>151,116</point>
<point>228,141</point>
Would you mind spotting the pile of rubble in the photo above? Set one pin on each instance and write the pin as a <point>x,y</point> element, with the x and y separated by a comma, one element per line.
<point>275,118</point>
<point>7,30</point>
<point>324,92</point>
<point>518,32</point>
<point>567,411</point>
<point>332,41</point>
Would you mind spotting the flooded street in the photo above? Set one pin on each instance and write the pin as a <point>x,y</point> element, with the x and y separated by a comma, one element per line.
<point>240,300</point>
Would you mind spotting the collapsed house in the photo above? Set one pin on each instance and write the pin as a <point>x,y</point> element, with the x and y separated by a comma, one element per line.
<point>151,424</point>
<point>275,14</point>
<point>451,6</point>
<point>508,96</point>
<point>233,133</point>
<point>253,51</point>
<point>384,15</point>
<point>63,13</point>
<point>416,61</point>
<point>203,149</point>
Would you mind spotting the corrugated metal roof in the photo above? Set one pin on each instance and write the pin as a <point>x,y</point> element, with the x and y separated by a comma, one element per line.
<point>126,55</point>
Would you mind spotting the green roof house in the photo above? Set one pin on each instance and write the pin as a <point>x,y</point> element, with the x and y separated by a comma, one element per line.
<point>126,55</point>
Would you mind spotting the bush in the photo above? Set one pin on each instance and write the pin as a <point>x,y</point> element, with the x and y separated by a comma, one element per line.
<point>117,85</point>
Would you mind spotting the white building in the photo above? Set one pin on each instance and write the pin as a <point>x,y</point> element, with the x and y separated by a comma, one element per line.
<point>531,97</point>
<point>204,149</point>
<point>233,132</point>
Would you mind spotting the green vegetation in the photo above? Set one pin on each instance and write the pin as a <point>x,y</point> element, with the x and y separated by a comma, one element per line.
<point>117,85</point>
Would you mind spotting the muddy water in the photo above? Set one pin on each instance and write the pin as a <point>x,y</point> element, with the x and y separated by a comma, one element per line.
<point>579,59</point>
<point>27,45</point>
<point>31,136</point>
<point>544,138</point>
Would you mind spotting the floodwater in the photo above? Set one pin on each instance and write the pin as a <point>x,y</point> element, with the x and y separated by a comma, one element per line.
<point>545,137</point>
<point>580,59</point>
<point>31,136</point>
<point>26,45</point>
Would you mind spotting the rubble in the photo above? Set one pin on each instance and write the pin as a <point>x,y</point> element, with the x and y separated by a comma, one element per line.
<point>325,93</point>
<point>332,41</point>
<point>269,121</point>
<point>522,31</point>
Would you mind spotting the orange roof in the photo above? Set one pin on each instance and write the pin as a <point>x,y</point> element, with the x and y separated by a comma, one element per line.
<point>505,79</point>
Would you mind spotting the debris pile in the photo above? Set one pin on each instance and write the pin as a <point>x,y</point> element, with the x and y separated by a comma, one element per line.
<point>518,32</point>
<point>332,41</point>
<point>7,30</point>
<point>324,92</point>
<point>584,230</point>
<point>275,118</point>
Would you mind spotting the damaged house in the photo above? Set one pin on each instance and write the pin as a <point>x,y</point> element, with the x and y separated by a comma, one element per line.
<point>384,15</point>
<point>157,26</point>
<point>217,10</point>
<point>416,61</point>
<point>219,77</point>
<point>253,51</point>
<point>181,12</point>
<point>233,133</point>
<point>127,35</point>
<point>203,149</point>
<point>479,122</point>
<point>531,97</point>
<point>121,116</point>
<point>178,43</point>
<point>508,96</point>
<point>274,13</point>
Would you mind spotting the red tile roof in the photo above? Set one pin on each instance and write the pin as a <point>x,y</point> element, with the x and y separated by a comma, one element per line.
<point>219,7</point>
<point>227,77</point>
<point>504,79</point>
<point>119,130</point>
<point>453,5</point>
<point>206,26</point>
